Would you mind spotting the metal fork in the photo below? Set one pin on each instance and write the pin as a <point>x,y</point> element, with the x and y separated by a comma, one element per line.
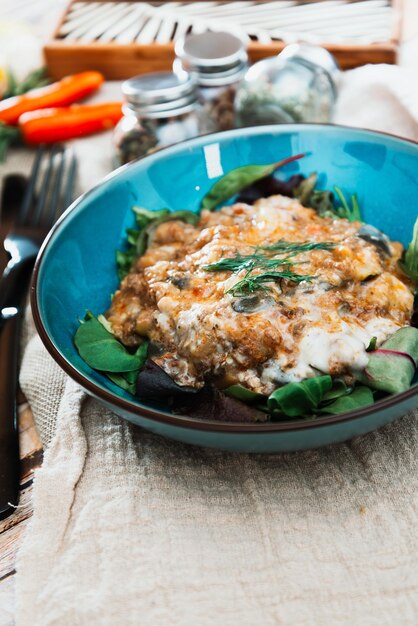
<point>53,172</point>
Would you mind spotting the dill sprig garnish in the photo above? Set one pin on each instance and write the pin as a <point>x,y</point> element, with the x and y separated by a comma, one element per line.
<point>264,261</point>
<point>296,247</point>
<point>247,262</point>
<point>251,282</point>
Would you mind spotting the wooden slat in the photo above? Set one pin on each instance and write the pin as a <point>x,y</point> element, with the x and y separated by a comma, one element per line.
<point>123,59</point>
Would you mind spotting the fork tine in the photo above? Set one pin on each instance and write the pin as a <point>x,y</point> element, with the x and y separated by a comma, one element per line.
<point>23,215</point>
<point>53,202</point>
<point>69,188</point>
<point>46,184</point>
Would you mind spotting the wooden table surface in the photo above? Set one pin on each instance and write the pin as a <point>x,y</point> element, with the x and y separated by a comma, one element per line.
<point>12,528</point>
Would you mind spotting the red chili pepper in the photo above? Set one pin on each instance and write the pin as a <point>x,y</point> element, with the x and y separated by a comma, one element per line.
<point>60,124</point>
<point>61,93</point>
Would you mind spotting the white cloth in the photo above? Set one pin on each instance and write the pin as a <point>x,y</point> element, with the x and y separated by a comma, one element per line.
<point>129,528</point>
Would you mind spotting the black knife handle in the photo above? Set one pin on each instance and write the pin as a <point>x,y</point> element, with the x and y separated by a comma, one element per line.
<point>9,428</point>
<point>14,281</point>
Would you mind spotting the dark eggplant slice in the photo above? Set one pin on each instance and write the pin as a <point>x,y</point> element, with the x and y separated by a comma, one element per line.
<point>207,403</point>
<point>212,404</point>
<point>376,237</point>
<point>154,384</point>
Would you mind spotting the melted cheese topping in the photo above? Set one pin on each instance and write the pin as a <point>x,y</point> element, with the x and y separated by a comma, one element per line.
<point>297,332</point>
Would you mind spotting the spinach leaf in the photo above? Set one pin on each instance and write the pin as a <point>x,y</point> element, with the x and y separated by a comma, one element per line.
<point>307,398</point>
<point>102,351</point>
<point>299,399</point>
<point>145,216</point>
<point>234,181</point>
<point>339,388</point>
<point>125,380</point>
<point>138,238</point>
<point>359,397</point>
<point>392,366</point>
<point>409,265</point>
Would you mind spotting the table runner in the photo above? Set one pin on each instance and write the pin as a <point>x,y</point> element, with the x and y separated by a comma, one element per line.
<point>130,528</point>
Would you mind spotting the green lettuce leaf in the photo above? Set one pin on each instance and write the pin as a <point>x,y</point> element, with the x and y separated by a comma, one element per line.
<point>299,399</point>
<point>137,239</point>
<point>357,398</point>
<point>100,349</point>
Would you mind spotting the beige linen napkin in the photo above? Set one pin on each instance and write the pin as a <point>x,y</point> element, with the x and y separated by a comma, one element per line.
<point>132,529</point>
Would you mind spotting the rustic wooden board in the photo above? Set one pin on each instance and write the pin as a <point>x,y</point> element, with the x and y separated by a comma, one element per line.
<point>120,61</point>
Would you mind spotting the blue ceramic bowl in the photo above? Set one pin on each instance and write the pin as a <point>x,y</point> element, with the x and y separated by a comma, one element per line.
<point>76,271</point>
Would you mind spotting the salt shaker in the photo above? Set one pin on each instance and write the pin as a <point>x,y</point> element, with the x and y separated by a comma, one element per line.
<point>219,61</point>
<point>298,85</point>
<point>160,109</point>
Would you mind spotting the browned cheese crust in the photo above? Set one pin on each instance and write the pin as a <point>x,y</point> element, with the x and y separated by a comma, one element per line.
<point>305,329</point>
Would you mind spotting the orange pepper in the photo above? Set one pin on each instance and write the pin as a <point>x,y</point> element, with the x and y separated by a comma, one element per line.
<point>60,124</point>
<point>62,93</point>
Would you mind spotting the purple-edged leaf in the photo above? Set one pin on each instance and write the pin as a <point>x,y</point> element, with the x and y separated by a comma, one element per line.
<point>392,367</point>
<point>238,179</point>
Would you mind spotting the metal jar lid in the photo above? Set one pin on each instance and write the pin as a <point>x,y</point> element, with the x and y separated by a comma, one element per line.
<point>309,54</point>
<point>216,58</point>
<point>160,91</point>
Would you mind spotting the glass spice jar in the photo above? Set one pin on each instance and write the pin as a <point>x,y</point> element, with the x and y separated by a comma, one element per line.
<point>160,109</point>
<point>219,61</point>
<point>298,85</point>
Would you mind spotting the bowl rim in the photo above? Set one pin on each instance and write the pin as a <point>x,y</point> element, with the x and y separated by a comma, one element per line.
<point>183,421</point>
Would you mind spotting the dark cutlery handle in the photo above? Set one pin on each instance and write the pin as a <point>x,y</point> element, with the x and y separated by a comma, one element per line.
<point>9,430</point>
<point>14,281</point>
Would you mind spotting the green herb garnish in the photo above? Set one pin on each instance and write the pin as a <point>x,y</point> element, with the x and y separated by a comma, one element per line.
<point>352,214</point>
<point>261,259</point>
<point>296,247</point>
<point>251,283</point>
<point>322,201</point>
<point>236,180</point>
<point>243,262</point>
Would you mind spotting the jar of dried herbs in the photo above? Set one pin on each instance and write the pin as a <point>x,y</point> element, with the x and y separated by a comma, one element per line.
<point>298,85</point>
<point>160,109</point>
<point>219,61</point>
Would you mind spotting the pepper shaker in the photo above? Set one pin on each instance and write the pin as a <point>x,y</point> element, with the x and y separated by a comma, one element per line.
<point>160,109</point>
<point>219,61</point>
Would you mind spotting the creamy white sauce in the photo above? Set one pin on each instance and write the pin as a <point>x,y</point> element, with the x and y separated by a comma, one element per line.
<point>319,349</point>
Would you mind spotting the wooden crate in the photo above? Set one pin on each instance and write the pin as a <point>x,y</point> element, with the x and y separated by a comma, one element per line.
<point>125,38</point>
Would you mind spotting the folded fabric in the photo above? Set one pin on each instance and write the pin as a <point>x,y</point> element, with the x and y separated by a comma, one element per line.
<point>129,528</point>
